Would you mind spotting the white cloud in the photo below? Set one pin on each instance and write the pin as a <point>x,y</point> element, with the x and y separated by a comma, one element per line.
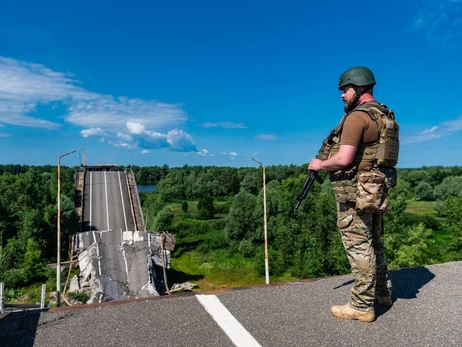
<point>227,125</point>
<point>181,141</point>
<point>24,86</point>
<point>145,151</point>
<point>205,153</point>
<point>121,144</point>
<point>115,114</point>
<point>267,137</point>
<point>92,132</point>
<point>443,129</point>
<point>123,136</point>
<point>231,155</point>
<point>431,130</point>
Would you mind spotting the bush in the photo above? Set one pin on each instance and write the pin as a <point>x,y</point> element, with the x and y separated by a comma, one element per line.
<point>246,248</point>
<point>14,278</point>
<point>206,207</point>
<point>192,227</point>
<point>78,296</point>
<point>424,191</point>
<point>214,240</point>
<point>184,206</point>
<point>429,222</point>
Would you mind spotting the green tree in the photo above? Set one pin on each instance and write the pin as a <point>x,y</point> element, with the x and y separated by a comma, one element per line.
<point>251,184</point>
<point>34,264</point>
<point>451,186</point>
<point>453,222</point>
<point>240,223</point>
<point>416,248</point>
<point>424,191</point>
<point>163,220</point>
<point>206,207</point>
<point>184,206</point>
<point>416,176</point>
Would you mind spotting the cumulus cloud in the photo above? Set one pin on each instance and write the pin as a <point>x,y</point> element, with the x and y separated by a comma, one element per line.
<point>124,137</point>
<point>181,141</point>
<point>266,137</point>
<point>24,86</point>
<point>437,131</point>
<point>92,132</point>
<point>227,125</point>
<point>145,151</point>
<point>231,155</point>
<point>204,153</point>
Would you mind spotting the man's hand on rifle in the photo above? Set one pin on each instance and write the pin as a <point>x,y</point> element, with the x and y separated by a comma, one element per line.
<point>315,165</point>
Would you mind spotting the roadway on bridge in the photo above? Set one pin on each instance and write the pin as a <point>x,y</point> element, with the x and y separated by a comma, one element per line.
<point>107,204</point>
<point>120,263</point>
<point>427,311</point>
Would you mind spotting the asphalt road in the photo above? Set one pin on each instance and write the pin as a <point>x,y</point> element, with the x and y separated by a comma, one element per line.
<point>120,264</point>
<point>107,205</point>
<point>427,311</point>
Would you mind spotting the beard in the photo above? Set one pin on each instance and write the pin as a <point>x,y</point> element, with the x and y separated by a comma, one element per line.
<point>348,107</point>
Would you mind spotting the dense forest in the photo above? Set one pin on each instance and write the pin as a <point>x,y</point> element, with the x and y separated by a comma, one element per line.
<point>216,214</point>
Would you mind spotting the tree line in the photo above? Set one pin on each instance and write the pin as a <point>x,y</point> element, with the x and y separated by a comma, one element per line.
<point>222,208</point>
<point>305,244</point>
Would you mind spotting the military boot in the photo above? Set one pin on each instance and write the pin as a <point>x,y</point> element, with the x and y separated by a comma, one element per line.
<point>384,300</point>
<point>348,312</point>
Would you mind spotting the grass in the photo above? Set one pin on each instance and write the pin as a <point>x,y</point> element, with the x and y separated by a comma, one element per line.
<point>215,270</point>
<point>421,207</point>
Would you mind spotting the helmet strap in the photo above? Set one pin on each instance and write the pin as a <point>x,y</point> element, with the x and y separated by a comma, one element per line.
<point>358,95</point>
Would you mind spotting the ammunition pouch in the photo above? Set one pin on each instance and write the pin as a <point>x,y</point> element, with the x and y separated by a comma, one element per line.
<point>344,185</point>
<point>371,192</point>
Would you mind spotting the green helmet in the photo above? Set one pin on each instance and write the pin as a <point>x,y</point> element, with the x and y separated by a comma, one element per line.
<point>358,76</point>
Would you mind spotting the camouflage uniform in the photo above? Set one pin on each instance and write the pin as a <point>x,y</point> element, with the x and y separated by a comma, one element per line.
<point>361,233</point>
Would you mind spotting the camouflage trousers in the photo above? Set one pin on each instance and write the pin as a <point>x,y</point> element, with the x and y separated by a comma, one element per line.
<point>361,233</point>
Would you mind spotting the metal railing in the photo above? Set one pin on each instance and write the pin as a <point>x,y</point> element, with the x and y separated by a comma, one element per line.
<point>15,307</point>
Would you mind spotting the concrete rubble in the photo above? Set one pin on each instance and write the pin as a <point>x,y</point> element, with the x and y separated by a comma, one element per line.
<point>142,254</point>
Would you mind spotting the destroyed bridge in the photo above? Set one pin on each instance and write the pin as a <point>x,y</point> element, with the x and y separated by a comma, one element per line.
<point>118,258</point>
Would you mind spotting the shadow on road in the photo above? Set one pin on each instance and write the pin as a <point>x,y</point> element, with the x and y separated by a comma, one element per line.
<point>19,328</point>
<point>406,284</point>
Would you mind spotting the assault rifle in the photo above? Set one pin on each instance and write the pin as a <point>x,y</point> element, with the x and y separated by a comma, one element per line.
<point>313,175</point>
<point>310,178</point>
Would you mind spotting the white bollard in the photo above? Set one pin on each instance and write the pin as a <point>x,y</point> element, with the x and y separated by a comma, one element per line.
<point>42,301</point>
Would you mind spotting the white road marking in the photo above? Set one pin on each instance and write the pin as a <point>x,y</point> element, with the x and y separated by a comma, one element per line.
<point>107,205</point>
<point>230,325</point>
<point>122,198</point>
<point>91,178</point>
<point>92,229</point>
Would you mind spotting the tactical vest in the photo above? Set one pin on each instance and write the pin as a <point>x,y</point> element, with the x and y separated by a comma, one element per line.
<point>383,153</point>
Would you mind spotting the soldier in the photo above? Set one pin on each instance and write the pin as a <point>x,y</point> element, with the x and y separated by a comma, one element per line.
<point>361,159</point>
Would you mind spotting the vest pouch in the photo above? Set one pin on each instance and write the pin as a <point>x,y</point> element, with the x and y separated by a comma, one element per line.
<point>371,192</point>
<point>344,190</point>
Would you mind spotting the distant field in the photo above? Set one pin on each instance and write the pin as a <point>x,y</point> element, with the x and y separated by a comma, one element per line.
<point>421,207</point>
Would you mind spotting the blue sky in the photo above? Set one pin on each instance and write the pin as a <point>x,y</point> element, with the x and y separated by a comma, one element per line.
<point>220,82</point>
